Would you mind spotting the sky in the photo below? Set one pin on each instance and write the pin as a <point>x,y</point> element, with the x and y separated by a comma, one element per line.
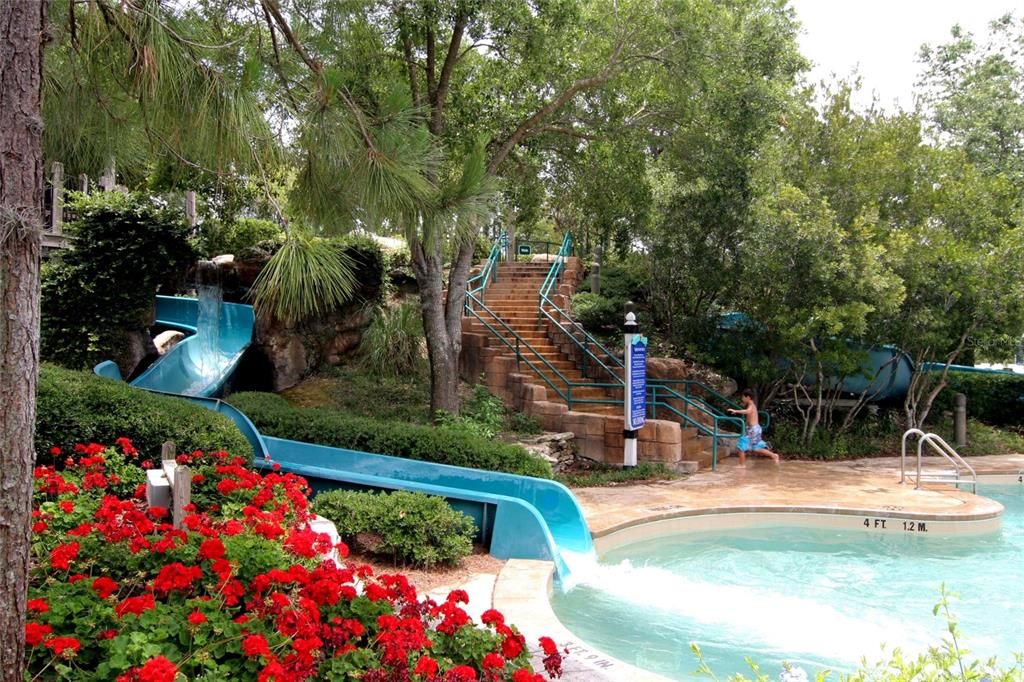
<point>881,38</point>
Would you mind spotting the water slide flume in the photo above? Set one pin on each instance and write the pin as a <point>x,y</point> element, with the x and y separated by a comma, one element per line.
<point>517,517</point>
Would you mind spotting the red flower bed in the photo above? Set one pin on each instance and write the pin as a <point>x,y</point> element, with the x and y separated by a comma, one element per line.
<point>241,591</point>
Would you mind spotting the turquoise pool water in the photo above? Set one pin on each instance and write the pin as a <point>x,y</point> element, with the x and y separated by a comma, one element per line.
<point>815,598</point>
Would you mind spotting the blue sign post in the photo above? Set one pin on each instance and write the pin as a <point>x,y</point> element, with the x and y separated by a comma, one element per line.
<point>635,387</point>
<point>637,382</point>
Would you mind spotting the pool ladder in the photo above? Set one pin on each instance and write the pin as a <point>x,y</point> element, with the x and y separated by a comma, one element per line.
<point>943,448</point>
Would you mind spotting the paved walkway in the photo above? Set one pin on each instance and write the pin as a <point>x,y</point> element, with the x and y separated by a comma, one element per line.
<point>864,484</point>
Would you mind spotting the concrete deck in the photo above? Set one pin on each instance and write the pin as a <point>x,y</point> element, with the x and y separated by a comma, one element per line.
<point>857,486</point>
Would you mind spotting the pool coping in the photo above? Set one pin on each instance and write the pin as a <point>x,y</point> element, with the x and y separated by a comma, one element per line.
<point>523,588</point>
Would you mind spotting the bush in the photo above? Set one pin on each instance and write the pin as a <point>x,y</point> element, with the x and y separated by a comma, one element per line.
<point>218,238</point>
<point>992,398</point>
<point>244,589</point>
<point>442,445</point>
<point>407,528</point>
<point>393,345</point>
<point>95,295</point>
<point>483,415</point>
<point>597,313</point>
<point>74,405</point>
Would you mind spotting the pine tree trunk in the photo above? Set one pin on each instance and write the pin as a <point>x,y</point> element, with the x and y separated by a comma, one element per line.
<point>21,185</point>
<point>442,319</point>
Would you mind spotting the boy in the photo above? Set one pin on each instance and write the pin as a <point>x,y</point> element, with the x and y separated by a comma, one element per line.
<point>751,441</point>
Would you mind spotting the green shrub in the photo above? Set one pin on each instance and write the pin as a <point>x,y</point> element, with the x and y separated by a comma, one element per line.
<point>483,415</point>
<point>520,422</point>
<point>407,528</point>
<point>393,345</point>
<point>597,313</point>
<point>95,294</point>
<point>992,398</point>
<point>442,445</point>
<point>75,407</point>
<point>628,280</point>
<point>218,238</point>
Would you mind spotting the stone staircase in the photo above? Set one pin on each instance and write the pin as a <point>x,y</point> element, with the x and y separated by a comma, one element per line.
<point>530,384</point>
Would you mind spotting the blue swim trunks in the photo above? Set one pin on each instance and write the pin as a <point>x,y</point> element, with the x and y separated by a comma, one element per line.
<point>752,440</point>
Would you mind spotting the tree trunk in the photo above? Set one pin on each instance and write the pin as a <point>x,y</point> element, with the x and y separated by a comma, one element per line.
<point>21,190</point>
<point>442,319</point>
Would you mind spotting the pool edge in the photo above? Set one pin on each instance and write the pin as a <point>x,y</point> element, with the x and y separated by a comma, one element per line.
<point>522,592</point>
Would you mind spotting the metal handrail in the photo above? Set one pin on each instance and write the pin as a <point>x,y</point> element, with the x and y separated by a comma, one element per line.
<point>765,417</point>
<point>714,432</point>
<point>487,274</point>
<point>940,446</point>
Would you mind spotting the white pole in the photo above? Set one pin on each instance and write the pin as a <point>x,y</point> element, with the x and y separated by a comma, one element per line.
<point>630,329</point>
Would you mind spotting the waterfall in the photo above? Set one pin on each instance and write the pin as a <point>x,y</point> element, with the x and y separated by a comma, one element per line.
<point>208,286</point>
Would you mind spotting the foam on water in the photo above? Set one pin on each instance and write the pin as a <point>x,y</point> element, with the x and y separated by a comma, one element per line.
<point>773,619</point>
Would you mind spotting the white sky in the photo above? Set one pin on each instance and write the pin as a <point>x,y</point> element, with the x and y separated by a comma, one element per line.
<point>881,38</point>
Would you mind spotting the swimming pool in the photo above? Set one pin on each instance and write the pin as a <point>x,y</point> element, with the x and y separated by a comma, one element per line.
<point>815,597</point>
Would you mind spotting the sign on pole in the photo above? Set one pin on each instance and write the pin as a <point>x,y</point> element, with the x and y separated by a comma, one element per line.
<point>634,401</point>
<point>525,249</point>
<point>637,382</point>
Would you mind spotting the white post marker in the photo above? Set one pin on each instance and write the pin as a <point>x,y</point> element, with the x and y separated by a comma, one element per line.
<point>635,386</point>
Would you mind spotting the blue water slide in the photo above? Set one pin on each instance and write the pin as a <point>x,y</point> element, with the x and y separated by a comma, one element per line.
<point>516,516</point>
<point>193,367</point>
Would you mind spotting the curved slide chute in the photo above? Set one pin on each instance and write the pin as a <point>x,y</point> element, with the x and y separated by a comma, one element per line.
<point>516,516</point>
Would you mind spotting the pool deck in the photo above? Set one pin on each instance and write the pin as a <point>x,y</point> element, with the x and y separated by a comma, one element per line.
<point>865,487</point>
<point>855,487</point>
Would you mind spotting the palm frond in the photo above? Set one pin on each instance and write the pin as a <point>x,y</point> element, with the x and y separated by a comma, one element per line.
<point>307,276</point>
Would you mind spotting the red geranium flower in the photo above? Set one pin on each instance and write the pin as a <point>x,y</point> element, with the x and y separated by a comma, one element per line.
<point>196,617</point>
<point>212,549</point>
<point>548,645</point>
<point>62,555</point>
<point>255,645</point>
<point>176,576</point>
<point>137,605</point>
<point>461,673</point>
<point>104,586</point>
<point>63,646</point>
<point>511,647</point>
<point>494,661</point>
<point>35,633</point>
<point>158,669</point>
<point>67,506</point>
<point>426,666</point>
<point>38,605</point>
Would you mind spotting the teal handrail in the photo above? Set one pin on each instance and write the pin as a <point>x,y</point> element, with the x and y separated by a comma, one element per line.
<point>488,273</point>
<point>705,390</point>
<point>715,431</point>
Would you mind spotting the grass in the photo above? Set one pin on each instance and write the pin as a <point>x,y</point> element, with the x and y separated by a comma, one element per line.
<point>603,475</point>
<point>355,390</point>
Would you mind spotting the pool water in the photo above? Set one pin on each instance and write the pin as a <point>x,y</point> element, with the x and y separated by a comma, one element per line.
<point>817,598</point>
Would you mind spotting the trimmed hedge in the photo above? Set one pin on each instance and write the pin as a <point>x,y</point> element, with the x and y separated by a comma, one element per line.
<point>996,399</point>
<point>77,406</point>
<point>273,416</point>
<point>405,527</point>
